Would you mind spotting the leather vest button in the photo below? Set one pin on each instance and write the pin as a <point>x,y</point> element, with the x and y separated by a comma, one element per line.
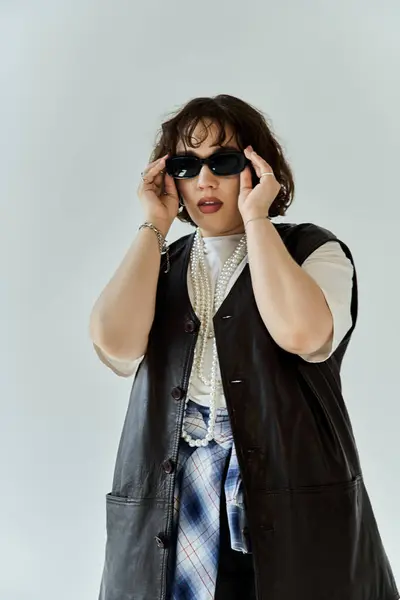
<point>161,541</point>
<point>177,393</point>
<point>190,326</point>
<point>168,466</point>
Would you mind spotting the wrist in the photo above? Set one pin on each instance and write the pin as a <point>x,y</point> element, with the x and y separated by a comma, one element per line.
<point>254,217</point>
<point>163,225</point>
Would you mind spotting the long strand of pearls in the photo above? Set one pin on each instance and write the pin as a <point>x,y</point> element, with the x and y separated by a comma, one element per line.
<point>205,307</point>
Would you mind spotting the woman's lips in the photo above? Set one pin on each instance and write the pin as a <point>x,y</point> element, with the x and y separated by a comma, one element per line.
<point>209,205</point>
<point>210,208</point>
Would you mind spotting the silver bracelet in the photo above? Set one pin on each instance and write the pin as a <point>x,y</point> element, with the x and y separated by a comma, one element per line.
<point>255,219</point>
<point>162,242</point>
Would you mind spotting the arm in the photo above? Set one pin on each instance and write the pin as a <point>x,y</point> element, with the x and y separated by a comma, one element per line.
<point>291,303</point>
<point>123,314</point>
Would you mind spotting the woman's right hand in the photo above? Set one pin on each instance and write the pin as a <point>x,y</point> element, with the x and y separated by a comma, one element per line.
<point>160,207</point>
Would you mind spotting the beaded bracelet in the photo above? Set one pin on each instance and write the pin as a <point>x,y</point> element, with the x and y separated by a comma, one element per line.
<point>162,242</point>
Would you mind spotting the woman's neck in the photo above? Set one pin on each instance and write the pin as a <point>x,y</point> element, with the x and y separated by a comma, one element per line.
<point>223,233</point>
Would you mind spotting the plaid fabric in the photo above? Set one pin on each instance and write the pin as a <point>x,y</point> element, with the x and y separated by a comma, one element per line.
<point>197,505</point>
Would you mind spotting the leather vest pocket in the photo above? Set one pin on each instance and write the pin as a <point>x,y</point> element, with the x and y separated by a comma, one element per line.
<point>134,561</point>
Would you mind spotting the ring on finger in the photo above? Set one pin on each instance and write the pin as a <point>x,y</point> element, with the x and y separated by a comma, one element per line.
<point>142,175</point>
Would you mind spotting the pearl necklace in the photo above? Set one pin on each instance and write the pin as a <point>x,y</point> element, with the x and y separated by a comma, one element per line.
<point>205,307</point>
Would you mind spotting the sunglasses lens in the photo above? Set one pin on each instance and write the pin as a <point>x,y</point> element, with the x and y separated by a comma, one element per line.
<point>182,167</point>
<point>229,163</point>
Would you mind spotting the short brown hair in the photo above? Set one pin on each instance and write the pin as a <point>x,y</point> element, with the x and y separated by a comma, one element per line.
<point>249,125</point>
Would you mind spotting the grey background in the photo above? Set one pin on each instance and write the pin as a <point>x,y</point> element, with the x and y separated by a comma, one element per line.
<point>84,86</point>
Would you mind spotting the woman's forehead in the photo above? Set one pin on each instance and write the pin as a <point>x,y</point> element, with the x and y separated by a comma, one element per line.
<point>202,138</point>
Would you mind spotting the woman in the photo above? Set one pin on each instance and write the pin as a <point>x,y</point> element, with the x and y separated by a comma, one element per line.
<point>237,473</point>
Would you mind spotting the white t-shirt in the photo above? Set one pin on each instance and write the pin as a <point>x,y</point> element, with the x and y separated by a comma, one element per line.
<point>328,266</point>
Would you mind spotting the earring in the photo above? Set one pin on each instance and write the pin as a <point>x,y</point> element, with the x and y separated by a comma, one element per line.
<point>181,206</point>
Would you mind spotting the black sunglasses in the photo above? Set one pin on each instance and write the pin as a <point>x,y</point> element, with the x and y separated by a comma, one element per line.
<point>220,163</point>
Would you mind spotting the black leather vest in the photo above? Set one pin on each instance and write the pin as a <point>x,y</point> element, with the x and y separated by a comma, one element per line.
<point>313,531</point>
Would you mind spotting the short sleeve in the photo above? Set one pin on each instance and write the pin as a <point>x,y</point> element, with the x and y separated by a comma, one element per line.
<point>333,272</point>
<point>124,368</point>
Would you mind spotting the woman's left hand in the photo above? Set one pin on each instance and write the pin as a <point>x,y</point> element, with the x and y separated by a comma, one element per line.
<point>256,202</point>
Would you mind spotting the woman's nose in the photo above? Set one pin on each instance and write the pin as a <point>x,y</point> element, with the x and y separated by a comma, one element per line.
<point>206,176</point>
